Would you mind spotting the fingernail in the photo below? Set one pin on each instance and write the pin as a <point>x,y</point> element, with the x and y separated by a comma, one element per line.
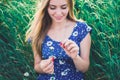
<point>60,43</point>
<point>52,59</point>
<point>63,46</point>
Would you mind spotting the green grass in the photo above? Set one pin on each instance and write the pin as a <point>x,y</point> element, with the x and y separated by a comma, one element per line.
<point>103,16</point>
<point>16,57</point>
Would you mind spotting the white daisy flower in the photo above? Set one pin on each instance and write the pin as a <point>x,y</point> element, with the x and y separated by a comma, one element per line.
<point>49,43</point>
<point>88,28</point>
<point>51,47</point>
<point>52,56</point>
<point>65,72</point>
<point>26,74</point>
<point>75,33</point>
<point>52,78</point>
<point>61,62</point>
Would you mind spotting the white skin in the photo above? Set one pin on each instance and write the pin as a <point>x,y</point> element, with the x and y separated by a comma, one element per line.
<point>58,11</point>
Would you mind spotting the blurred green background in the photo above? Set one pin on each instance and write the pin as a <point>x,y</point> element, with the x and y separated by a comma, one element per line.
<point>16,57</point>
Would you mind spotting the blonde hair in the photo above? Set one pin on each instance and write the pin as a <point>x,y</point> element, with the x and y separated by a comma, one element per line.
<point>41,24</point>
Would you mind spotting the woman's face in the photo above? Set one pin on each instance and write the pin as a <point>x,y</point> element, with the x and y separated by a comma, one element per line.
<point>58,10</point>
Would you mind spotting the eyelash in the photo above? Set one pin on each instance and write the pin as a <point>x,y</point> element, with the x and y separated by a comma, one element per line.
<point>64,7</point>
<point>55,8</point>
<point>52,8</point>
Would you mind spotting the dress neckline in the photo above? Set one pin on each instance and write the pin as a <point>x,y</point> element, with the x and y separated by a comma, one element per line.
<point>67,38</point>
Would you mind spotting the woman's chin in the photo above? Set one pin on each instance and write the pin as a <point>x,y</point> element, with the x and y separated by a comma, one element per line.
<point>58,20</point>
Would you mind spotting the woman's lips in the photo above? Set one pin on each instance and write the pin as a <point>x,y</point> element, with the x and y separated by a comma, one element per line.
<point>58,18</point>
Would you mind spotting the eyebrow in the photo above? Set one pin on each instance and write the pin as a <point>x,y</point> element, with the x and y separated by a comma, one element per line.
<point>60,5</point>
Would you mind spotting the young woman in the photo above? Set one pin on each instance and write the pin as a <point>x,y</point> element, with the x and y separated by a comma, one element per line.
<point>60,43</point>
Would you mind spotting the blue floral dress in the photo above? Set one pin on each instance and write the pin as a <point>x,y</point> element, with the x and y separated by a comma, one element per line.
<point>64,68</point>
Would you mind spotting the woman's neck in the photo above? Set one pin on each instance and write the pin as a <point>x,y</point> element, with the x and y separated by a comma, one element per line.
<point>59,25</point>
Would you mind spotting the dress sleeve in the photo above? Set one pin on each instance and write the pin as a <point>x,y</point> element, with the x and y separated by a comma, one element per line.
<point>29,40</point>
<point>83,30</point>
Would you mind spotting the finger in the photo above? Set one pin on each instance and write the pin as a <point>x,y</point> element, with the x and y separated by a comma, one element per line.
<point>48,71</point>
<point>74,49</point>
<point>62,43</point>
<point>49,67</point>
<point>70,47</point>
<point>51,71</point>
<point>52,58</point>
<point>46,62</point>
<point>67,43</point>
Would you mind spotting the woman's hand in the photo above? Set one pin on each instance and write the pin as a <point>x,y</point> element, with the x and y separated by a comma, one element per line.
<point>70,47</point>
<point>47,65</point>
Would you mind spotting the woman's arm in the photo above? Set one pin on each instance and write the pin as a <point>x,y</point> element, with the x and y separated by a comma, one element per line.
<point>71,48</point>
<point>82,62</point>
<point>37,61</point>
<point>43,66</point>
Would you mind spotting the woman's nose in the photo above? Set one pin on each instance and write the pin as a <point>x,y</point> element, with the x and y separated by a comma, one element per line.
<point>58,12</point>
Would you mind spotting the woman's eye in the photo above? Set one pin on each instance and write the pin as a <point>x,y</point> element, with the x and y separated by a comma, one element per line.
<point>64,7</point>
<point>52,8</point>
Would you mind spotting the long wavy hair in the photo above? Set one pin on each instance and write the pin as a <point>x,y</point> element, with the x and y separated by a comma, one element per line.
<point>41,24</point>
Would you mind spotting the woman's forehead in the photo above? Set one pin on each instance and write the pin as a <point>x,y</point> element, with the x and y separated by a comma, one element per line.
<point>58,2</point>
